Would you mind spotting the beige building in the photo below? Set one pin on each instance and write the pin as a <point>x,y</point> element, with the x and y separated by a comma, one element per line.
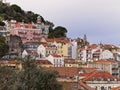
<point>110,66</point>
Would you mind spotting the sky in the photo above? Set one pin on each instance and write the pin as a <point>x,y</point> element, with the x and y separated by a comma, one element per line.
<point>98,19</point>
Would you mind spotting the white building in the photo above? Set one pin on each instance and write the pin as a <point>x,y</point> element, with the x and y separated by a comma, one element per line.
<point>72,49</point>
<point>106,54</point>
<point>41,51</point>
<point>56,60</point>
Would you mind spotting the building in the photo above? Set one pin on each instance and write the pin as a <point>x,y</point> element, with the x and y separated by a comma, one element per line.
<point>72,49</point>
<point>3,31</point>
<point>44,63</point>
<point>45,50</point>
<point>100,80</point>
<point>32,53</point>
<point>110,66</point>
<point>30,45</point>
<point>106,54</point>
<point>56,60</point>
<point>11,63</point>
<point>27,32</point>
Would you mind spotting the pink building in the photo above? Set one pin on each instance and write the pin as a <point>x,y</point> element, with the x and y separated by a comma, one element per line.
<point>27,32</point>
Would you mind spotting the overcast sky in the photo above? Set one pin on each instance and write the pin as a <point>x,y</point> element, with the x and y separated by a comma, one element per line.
<point>98,19</point>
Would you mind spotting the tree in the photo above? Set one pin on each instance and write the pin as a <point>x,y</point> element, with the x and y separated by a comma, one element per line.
<point>4,48</point>
<point>7,78</point>
<point>34,78</point>
<point>58,32</point>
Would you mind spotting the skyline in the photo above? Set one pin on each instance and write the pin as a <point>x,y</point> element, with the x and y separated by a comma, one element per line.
<point>98,19</point>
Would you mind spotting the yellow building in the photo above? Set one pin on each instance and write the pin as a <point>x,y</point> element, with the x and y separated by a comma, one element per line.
<point>62,45</point>
<point>11,63</point>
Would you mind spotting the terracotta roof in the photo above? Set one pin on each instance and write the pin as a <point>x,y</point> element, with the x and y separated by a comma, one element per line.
<point>32,42</point>
<point>9,61</point>
<point>98,75</point>
<point>97,51</point>
<point>43,62</point>
<point>109,46</point>
<point>32,52</point>
<point>106,61</point>
<point>93,46</point>
<point>65,71</point>
<point>89,70</point>
<point>116,88</point>
<point>55,55</point>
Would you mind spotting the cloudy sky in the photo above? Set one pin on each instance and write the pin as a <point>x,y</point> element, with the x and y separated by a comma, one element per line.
<point>98,19</point>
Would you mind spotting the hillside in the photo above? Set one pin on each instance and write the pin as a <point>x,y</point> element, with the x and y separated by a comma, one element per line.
<point>15,12</point>
<point>9,12</point>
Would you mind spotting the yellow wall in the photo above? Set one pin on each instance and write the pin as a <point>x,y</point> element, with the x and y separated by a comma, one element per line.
<point>63,49</point>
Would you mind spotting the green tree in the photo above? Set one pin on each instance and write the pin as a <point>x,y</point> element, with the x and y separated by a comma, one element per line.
<point>4,48</point>
<point>34,78</point>
<point>58,32</point>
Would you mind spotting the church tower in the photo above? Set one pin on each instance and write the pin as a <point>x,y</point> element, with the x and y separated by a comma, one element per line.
<point>85,37</point>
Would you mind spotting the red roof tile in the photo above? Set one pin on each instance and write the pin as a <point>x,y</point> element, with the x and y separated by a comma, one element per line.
<point>106,61</point>
<point>55,55</point>
<point>97,75</point>
<point>43,62</point>
<point>116,88</point>
<point>89,70</point>
<point>9,62</point>
<point>65,71</point>
<point>32,52</point>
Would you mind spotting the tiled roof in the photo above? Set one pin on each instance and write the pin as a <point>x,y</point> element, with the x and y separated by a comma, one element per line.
<point>32,42</point>
<point>65,71</point>
<point>43,62</point>
<point>9,61</point>
<point>32,52</point>
<point>97,51</point>
<point>93,46</point>
<point>55,55</point>
<point>89,70</point>
<point>109,46</point>
<point>116,88</point>
<point>106,61</point>
<point>99,75</point>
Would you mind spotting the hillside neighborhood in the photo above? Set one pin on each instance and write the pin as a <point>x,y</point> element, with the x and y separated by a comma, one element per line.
<point>80,64</point>
<point>89,66</point>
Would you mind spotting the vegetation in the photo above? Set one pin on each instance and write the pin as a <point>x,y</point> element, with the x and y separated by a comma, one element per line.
<point>30,77</point>
<point>7,78</point>
<point>58,32</point>
<point>4,48</point>
<point>14,12</point>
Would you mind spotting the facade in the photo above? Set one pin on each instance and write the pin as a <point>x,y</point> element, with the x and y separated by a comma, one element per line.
<point>100,80</point>
<point>45,50</point>
<point>11,63</point>
<point>72,49</point>
<point>44,63</point>
<point>106,54</point>
<point>56,60</point>
<point>3,31</point>
<point>30,46</point>
<point>32,53</point>
<point>110,66</point>
<point>27,32</point>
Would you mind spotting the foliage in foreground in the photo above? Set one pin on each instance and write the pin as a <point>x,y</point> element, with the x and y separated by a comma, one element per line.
<point>30,78</point>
